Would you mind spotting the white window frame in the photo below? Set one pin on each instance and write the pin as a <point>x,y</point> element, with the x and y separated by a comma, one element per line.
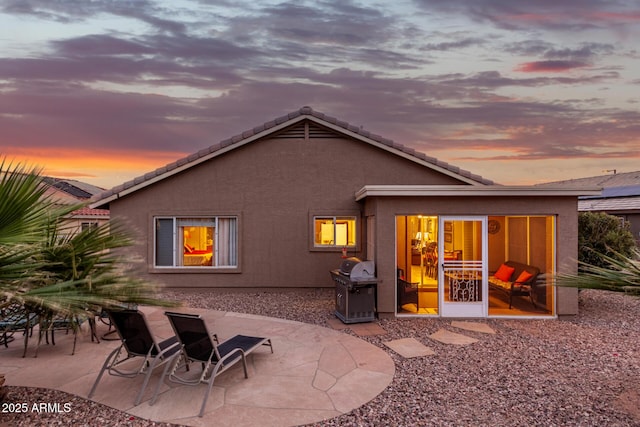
<point>177,246</point>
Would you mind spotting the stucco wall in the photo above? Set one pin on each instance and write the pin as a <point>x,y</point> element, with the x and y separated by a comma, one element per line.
<point>274,186</point>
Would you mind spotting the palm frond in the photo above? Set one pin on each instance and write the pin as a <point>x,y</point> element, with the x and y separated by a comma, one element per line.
<point>55,270</point>
<point>25,207</point>
<point>622,274</point>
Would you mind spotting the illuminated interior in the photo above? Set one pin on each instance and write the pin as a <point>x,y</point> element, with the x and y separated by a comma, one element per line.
<point>526,242</point>
<point>196,242</point>
<point>197,245</point>
<point>335,231</point>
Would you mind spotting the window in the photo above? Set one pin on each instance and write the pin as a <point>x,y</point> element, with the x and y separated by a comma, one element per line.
<point>88,225</point>
<point>196,242</point>
<point>334,231</point>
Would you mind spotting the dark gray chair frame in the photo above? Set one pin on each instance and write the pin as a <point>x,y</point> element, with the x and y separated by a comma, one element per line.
<point>137,342</point>
<point>15,318</point>
<point>198,345</point>
<point>407,291</point>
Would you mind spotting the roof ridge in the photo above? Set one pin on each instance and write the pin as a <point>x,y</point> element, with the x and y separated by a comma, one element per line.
<point>301,112</point>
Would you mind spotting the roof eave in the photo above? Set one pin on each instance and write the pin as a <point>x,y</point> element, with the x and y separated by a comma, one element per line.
<point>476,191</point>
<point>272,127</point>
<point>133,186</point>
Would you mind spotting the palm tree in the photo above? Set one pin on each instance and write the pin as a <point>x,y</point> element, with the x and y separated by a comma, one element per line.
<point>53,273</point>
<point>622,274</point>
<point>24,213</point>
<point>85,271</point>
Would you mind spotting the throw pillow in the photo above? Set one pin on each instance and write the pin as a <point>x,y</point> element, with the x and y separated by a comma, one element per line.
<point>524,276</point>
<point>504,273</point>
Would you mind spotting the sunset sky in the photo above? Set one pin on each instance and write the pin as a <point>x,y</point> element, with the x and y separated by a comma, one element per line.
<point>517,91</point>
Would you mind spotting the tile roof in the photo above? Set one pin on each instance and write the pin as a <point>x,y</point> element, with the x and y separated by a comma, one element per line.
<point>76,189</point>
<point>603,181</point>
<point>280,123</point>
<point>620,192</point>
<point>87,211</point>
<point>612,199</point>
<point>610,205</point>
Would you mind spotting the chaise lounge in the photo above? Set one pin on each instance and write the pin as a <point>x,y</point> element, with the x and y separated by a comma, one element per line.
<point>139,345</point>
<point>198,346</point>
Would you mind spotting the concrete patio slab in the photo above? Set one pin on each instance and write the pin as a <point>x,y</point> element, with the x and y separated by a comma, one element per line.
<point>448,337</point>
<point>409,347</point>
<point>362,329</point>
<point>473,326</point>
<point>315,373</point>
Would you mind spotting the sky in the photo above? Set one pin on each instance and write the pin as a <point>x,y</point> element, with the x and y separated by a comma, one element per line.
<point>517,91</point>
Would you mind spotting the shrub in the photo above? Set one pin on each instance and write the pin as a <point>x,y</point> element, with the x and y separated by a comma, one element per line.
<point>602,234</point>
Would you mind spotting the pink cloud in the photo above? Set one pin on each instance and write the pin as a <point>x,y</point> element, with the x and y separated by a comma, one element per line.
<point>553,66</point>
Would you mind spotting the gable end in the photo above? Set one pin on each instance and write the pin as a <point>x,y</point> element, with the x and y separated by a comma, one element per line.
<point>306,130</point>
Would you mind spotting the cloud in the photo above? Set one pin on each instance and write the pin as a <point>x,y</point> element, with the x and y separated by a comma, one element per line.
<point>70,11</point>
<point>554,66</point>
<point>561,16</point>
<point>177,78</point>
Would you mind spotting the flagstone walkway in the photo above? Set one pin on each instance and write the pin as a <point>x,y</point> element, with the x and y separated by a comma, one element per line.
<point>411,347</point>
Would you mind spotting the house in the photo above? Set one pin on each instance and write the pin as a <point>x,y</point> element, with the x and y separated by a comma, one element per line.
<point>70,192</point>
<point>620,197</point>
<point>276,206</point>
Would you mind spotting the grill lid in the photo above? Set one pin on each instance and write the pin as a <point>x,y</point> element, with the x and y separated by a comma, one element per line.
<point>357,269</point>
<point>348,264</point>
<point>363,271</point>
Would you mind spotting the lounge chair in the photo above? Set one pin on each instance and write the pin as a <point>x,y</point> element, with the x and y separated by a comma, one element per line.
<point>199,346</point>
<point>137,342</point>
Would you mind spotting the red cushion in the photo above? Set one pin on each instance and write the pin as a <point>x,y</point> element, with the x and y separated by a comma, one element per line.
<point>504,273</point>
<point>524,276</point>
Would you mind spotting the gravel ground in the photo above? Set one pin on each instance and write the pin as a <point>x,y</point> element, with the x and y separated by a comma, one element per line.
<point>582,371</point>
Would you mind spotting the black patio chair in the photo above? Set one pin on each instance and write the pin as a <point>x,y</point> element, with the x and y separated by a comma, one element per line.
<point>137,342</point>
<point>16,318</point>
<point>51,322</point>
<point>199,346</point>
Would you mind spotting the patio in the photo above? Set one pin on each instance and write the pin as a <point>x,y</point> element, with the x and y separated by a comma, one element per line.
<point>315,373</point>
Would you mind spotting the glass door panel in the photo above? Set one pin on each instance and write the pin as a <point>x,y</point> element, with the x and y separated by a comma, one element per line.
<point>416,263</point>
<point>463,254</point>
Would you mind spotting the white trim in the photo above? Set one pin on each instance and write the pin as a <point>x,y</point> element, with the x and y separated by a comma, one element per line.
<point>463,190</point>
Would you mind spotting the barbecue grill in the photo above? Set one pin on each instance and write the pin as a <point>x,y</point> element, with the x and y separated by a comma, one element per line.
<point>355,290</point>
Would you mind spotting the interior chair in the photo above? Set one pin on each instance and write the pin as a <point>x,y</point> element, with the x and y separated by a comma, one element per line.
<point>431,259</point>
<point>407,292</point>
<point>141,350</point>
<point>198,345</point>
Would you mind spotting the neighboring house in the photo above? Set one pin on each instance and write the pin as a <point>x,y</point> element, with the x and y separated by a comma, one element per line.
<point>275,206</point>
<point>70,192</point>
<point>620,197</point>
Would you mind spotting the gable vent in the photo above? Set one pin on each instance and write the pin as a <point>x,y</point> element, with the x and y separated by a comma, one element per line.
<point>306,130</point>
<point>320,132</point>
<point>294,132</point>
